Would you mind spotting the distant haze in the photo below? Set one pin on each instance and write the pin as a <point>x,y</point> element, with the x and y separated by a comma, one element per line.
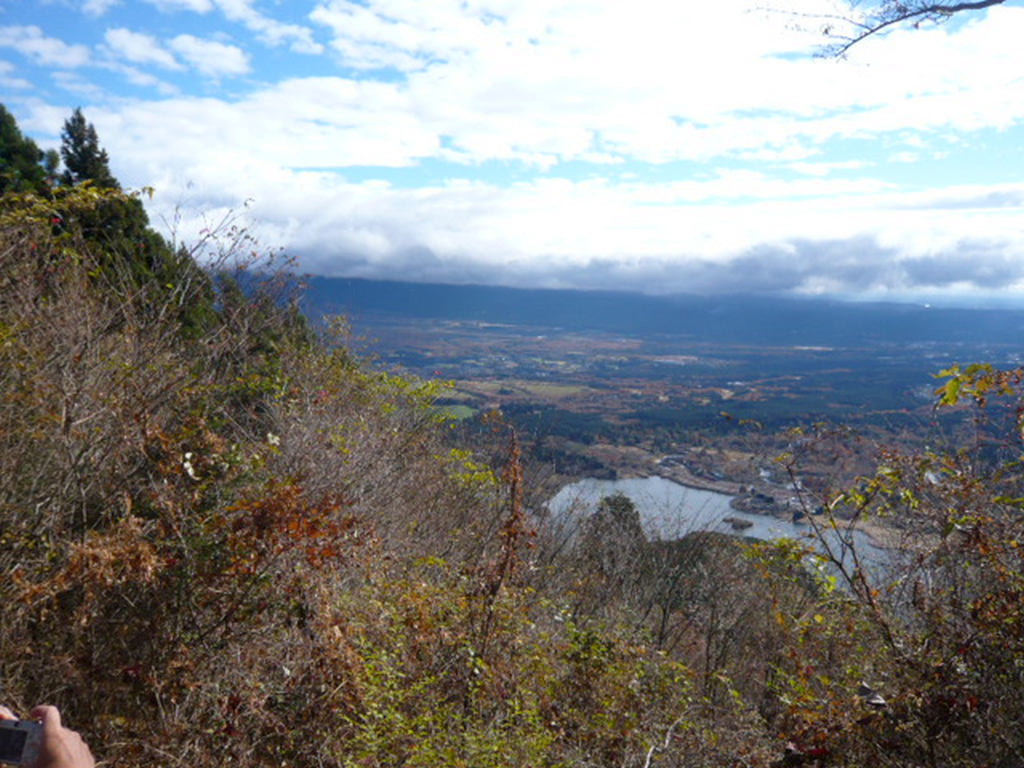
<point>730,319</point>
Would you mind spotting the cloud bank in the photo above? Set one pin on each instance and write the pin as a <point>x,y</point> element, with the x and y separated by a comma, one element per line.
<point>601,144</point>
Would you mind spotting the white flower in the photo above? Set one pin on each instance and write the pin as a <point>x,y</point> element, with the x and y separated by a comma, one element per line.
<point>186,464</point>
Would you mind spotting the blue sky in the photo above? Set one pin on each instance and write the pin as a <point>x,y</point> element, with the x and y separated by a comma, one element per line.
<point>629,144</point>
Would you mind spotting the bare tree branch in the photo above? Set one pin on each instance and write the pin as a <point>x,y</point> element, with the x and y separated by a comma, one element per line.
<point>893,12</point>
<point>656,748</point>
<point>862,20</point>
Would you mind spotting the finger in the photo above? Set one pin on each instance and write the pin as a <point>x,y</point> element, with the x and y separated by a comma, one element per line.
<point>6,714</point>
<point>49,715</point>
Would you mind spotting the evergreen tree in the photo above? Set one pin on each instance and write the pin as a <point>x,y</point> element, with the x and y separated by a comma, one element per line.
<point>51,166</point>
<point>84,159</point>
<point>20,158</point>
<point>130,253</point>
<point>118,224</point>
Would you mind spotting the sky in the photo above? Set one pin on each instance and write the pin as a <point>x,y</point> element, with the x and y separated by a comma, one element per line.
<point>648,145</point>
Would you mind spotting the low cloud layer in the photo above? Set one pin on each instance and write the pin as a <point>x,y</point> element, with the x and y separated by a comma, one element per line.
<point>642,145</point>
<point>603,236</point>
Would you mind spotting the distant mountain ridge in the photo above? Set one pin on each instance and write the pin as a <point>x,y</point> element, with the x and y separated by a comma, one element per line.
<point>733,318</point>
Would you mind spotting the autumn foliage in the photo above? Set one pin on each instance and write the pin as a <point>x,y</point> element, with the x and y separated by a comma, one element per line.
<point>227,540</point>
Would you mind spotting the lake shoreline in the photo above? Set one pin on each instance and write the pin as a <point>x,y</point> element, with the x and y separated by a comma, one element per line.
<point>670,510</point>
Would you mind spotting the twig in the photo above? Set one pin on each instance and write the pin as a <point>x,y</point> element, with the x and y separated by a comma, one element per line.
<point>655,748</point>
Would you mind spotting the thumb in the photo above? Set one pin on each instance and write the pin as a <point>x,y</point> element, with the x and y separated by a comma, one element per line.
<point>49,715</point>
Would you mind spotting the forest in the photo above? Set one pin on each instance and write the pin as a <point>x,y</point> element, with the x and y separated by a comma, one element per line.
<point>227,539</point>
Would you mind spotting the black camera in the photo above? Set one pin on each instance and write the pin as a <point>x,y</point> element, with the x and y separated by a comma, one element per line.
<point>20,741</point>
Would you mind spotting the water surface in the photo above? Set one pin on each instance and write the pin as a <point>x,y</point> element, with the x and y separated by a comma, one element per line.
<point>669,510</point>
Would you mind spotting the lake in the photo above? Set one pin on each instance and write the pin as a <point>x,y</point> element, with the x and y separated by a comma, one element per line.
<point>669,511</point>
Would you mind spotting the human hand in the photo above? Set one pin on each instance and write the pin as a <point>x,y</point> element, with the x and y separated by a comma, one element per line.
<point>61,747</point>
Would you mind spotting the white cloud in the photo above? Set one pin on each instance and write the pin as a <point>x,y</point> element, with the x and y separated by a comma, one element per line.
<point>210,57</point>
<point>269,30</point>
<point>30,41</point>
<point>304,123</point>
<point>825,168</point>
<point>145,80</point>
<point>402,36</point>
<point>737,229</point>
<point>657,82</point>
<point>196,6</point>
<point>139,48</point>
<point>14,83</point>
<point>75,83</point>
<point>97,8</point>
<point>903,157</point>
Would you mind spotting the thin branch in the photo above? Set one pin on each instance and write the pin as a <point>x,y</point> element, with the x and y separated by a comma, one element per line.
<point>656,748</point>
<point>930,11</point>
